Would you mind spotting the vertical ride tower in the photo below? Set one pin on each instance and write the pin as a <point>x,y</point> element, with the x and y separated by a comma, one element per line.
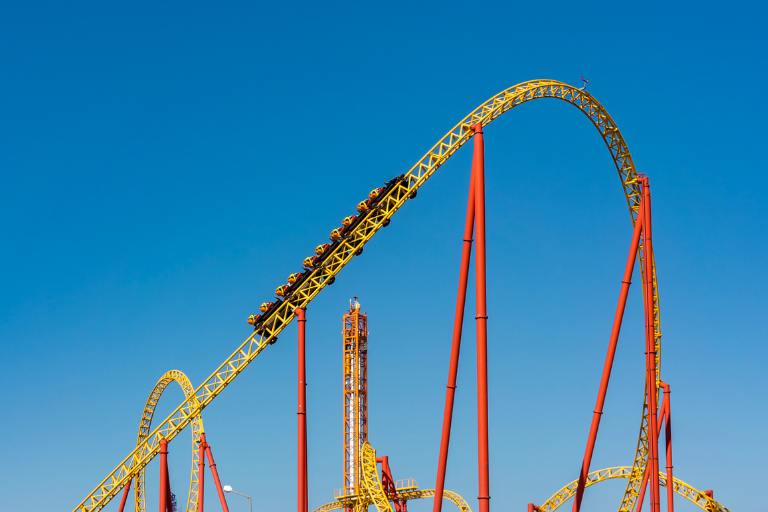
<point>355,367</point>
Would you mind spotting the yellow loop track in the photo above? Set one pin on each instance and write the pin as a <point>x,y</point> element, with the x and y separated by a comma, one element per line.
<point>353,242</point>
<point>374,493</point>
<point>145,424</point>
<point>410,494</point>
<point>371,480</point>
<point>681,488</point>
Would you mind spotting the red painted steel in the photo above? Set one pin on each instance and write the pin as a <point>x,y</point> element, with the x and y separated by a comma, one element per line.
<point>641,495</point>
<point>668,445</point>
<point>653,439</point>
<point>388,483</point>
<point>453,367</point>
<point>608,364</point>
<point>301,414</point>
<point>164,493</point>
<point>126,492</point>
<point>481,317</point>
<point>216,480</point>
<point>201,473</point>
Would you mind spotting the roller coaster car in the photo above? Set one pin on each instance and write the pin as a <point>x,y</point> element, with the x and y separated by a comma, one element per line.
<point>294,281</point>
<point>375,193</point>
<point>281,291</point>
<point>321,252</point>
<point>266,308</point>
<point>394,181</point>
<point>336,234</point>
<point>348,220</point>
<point>389,186</point>
<point>364,206</point>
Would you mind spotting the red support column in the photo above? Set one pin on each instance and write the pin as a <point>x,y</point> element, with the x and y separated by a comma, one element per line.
<point>201,473</point>
<point>481,317</point>
<point>453,367</point>
<point>165,497</point>
<point>667,406</point>
<point>171,497</point>
<point>608,364</point>
<point>641,495</point>
<point>301,491</point>
<point>216,480</point>
<point>653,441</point>
<point>126,492</point>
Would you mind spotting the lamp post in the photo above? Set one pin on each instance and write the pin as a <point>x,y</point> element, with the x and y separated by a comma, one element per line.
<point>228,488</point>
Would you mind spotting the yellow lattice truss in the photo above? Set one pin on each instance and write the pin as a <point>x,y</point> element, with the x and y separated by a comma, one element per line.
<point>568,491</point>
<point>145,424</point>
<point>371,481</point>
<point>352,242</point>
<point>373,491</point>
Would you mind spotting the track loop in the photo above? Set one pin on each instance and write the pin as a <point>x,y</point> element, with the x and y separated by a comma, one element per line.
<point>568,491</point>
<point>145,424</point>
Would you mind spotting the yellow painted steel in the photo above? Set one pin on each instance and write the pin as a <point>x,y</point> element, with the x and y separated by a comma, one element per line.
<point>448,495</point>
<point>353,241</point>
<point>408,494</point>
<point>373,492</point>
<point>681,488</point>
<point>145,424</point>
<point>371,481</point>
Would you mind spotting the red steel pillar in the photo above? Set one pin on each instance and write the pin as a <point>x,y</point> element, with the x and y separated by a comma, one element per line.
<point>126,492</point>
<point>453,367</point>
<point>641,495</point>
<point>301,491</point>
<point>653,439</point>
<point>165,496</point>
<point>667,406</point>
<point>216,480</point>
<point>481,317</point>
<point>608,364</point>
<point>201,473</point>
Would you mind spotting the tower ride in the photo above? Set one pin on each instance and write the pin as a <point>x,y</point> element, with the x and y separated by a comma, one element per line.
<point>363,485</point>
<point>355,369</point>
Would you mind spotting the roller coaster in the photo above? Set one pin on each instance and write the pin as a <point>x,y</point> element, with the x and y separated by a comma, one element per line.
<point>378,489</point>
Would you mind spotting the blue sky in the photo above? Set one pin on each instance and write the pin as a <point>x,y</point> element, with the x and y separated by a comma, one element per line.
<point>164,167</point>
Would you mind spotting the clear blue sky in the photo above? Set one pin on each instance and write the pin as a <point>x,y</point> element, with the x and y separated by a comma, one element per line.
<point>165,166</point>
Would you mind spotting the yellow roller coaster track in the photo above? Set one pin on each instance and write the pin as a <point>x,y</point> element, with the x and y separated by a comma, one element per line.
<point>408,494</point>
<point>144,427</point>
<point>352,243</point>
<point>372,482</point>
<point>375,495</point>
<point>681,488</point>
